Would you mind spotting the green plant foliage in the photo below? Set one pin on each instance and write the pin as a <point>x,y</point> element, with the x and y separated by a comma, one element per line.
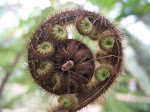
<point>114,105</point>
<point>134,7</point>
<point>104,3</point>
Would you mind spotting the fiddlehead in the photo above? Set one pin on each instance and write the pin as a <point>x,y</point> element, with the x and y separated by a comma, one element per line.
<point>68,67</point>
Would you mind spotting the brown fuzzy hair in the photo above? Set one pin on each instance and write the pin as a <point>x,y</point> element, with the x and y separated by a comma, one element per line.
<point>81,62</point>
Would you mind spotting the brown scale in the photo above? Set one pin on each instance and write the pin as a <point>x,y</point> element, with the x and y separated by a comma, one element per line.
<point>84,68</point>
<point>64,64</point>
<point>82,55</point>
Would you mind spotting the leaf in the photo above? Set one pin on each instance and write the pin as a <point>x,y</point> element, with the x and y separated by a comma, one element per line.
<point>107,4</point>
<point>114,105</point>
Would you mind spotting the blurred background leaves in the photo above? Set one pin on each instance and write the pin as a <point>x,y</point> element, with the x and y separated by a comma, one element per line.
<point>20,18</point>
